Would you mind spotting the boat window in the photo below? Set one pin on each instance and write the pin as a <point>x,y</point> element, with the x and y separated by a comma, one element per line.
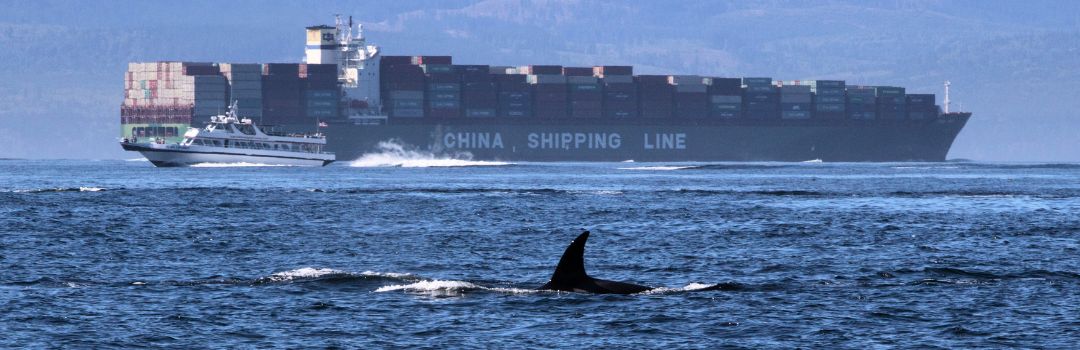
<point>246,129</point>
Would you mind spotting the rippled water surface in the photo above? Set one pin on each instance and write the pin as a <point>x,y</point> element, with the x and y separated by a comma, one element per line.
<point>416,254</point>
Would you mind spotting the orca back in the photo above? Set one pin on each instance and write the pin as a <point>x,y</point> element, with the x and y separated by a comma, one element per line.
<point>570,274</point>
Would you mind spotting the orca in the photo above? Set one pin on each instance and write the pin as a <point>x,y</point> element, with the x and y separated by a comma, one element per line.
<point>570,274</point>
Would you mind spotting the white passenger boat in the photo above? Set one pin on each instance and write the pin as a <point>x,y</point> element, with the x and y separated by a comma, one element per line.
<point>227,139</point>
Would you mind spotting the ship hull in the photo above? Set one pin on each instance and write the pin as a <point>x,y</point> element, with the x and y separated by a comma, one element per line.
<point>165,157</point>
<point>780,140</point>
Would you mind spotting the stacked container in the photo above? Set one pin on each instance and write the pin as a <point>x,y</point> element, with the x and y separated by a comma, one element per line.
<point>245,88</point>
<point>656,97</point>
<point>921,106</point>
<point>322,95</point>
<point>725,98</point>
<point>209,92</point>
<point>515,96</point>
<point>586,94</point>
<point>861,103</point>
<point>691,97</point>
<point>443,90</point>
<point>425,60</point>
<point>795,102</point>
<point>550,93</point>
<point>606,71</point>
<point>402,84</point>
<point>540,70</point>
<point>829,98</point>
<point>282,94</point>
<point>620,94</point>
<point>891,102</point>
<point>478,93</point>
<point>761,99</point>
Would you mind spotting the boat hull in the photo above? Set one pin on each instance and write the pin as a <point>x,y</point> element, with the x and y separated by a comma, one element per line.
<point>830,141</point>
<point>169,157</point>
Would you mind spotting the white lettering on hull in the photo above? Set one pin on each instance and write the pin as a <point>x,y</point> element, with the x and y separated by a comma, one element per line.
<point>665,141</point>
<point>473,140</point>
<point>574,140</point>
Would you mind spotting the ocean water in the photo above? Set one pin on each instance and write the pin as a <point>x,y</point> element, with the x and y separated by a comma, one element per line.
<point>410,251</point>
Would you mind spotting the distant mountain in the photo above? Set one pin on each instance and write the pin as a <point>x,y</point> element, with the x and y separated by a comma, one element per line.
<point>1012,63</point>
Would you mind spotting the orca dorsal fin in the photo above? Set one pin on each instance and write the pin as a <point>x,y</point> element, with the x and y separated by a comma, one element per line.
<point>572,264</point>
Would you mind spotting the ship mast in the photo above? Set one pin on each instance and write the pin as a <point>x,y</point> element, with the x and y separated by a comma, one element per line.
<point>947,102</point>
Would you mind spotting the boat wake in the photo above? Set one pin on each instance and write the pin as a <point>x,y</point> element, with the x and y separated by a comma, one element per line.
<point>393,154</point>
<point>660,168</point>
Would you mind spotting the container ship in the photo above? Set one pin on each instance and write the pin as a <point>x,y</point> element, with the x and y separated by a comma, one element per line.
<point>362,99</point>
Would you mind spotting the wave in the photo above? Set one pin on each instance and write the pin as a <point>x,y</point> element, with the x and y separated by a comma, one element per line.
<point>62,189</point>
<point>738,166</point>
<point>311,274</point>
<point>393,154</point>
<point>812,161</point>
<point>137,160</point>
<point>696,287</point>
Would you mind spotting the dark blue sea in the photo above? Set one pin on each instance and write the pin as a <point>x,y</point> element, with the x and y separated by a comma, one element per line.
<point>417,252</point>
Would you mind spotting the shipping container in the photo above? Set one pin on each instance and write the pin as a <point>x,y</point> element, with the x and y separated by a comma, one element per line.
<point>695,80</point>
<point>546,79</point>
<point>888,91</point>
<point>418,60</point>
<point>577,71</point>
<point>795,114</point>
<point>757,81</point>
<point>606,71</point>
<point>540,70</point>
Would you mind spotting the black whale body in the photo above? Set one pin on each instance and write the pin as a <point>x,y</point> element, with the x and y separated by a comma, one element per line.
<point>570,274</point>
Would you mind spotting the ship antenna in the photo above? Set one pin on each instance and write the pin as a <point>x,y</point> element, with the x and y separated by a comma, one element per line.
<point>947,102</point>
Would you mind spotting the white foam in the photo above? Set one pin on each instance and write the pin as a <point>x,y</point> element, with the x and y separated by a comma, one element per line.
<point>303,273</point>
<point>662,168</point>
<point>62,189</point>
<point>448,287</point>
<point>430,286</point>
<point>392,154</point>
<point>688,288</point>
<point>387,274</point>
<point>137,160</point>
<point>813,161</point>
<point>232,165</point>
